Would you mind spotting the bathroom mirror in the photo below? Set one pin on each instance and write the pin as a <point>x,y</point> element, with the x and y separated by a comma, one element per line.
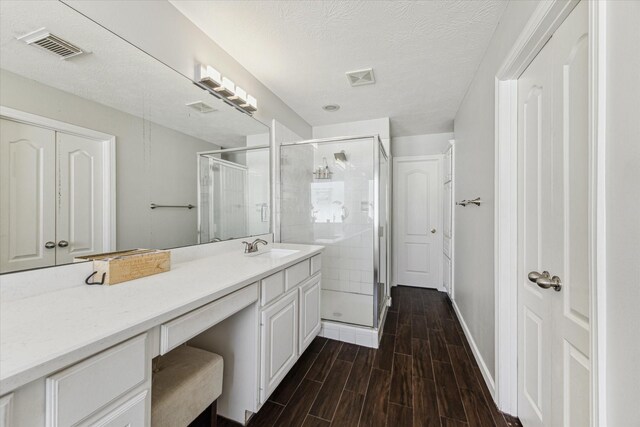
<point>109,149</point>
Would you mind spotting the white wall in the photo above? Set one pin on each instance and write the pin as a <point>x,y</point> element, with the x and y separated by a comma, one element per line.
<point>623,213</point>
<point>420,145</point>
<point>359,128</point>
<point>158,28</point>
<point>474,165</point>
<point>154,164</point>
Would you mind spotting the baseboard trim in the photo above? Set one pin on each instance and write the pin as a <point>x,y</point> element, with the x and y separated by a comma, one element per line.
<point>366,337</point>
<point>476,353</point>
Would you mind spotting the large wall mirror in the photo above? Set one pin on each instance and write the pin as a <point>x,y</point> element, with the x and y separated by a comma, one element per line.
<point>111,149</point>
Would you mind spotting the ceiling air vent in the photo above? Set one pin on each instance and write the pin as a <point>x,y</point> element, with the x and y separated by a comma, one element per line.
<point>361,77</point>
<point>201,107</point>
<point>52,43</point>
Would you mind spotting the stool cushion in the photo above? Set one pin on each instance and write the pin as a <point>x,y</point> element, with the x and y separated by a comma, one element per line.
<point>186,381</point>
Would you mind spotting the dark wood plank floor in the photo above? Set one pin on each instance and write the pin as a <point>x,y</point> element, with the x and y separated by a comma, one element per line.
<point>423,374</point>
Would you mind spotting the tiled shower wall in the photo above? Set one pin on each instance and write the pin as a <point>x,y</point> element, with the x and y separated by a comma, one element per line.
<point>336,213</point>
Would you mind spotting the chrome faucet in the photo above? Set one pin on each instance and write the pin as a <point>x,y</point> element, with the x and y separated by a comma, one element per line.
<point>250,248</point>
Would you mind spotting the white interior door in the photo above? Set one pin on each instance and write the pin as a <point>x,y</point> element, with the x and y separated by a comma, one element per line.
<point>418,217</point>
<point>80,210</point>
<point>553,325</point>
<point>27,196</point>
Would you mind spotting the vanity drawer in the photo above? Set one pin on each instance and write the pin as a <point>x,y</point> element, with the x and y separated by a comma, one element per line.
<point>131,413</point>
<point>316,264</point>
<point>296,274</point>
<point>180,330</point>
<point>78,391</point>
<point>271,287</point>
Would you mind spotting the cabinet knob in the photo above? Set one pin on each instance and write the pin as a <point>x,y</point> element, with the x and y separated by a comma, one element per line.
<point>63,243</point>
<point>50,245</point>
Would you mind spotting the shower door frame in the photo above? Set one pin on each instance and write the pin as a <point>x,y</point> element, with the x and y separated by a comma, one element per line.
<point>377,149</point>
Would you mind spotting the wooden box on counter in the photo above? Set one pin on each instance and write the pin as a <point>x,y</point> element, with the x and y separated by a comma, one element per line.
<point>127,265</point>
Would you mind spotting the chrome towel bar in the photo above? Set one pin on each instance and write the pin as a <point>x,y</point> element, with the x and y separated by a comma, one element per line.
<point>189,206</point>
<point>477,201</point>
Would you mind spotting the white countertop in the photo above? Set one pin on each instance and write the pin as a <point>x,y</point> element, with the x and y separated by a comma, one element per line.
<point>44,333</point>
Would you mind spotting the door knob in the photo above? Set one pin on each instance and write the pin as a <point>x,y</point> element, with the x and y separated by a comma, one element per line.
<point>534,276</point>
<point>50,245</point>
<point>433,231</point>
<point>63,243</point>
<point>546,282</point>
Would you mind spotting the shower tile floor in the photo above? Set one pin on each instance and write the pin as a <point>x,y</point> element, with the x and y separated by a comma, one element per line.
<point>423,374</point>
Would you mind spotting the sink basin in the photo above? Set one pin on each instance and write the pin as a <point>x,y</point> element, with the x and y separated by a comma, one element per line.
<point>275,253</point>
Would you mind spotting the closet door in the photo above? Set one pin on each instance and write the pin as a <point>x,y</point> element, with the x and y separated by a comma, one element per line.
<point>80,211</point>
<point>27,196</point>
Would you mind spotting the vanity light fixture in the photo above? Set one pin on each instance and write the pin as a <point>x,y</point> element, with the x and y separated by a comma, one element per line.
<point>210,79</point>
<point>208,76</point>
<point>331,108</point>
<point>228,87</point>
<point>239,97</point>
<point>251,105</point>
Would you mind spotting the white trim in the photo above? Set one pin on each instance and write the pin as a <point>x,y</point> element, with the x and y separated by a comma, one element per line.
<point>440,159</point>
<point>452,242</point>
<point>506,247</point>
<point>109,163</point>
<point>366,337</point>
<point>476,352</point>
<point>597,240</point>
<point>543,23</point>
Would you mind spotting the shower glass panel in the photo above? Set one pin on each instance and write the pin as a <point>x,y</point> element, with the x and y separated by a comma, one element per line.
<point>327,198</point>
<point>234,194</point>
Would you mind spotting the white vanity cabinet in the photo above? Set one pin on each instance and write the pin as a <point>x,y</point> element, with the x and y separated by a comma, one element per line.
<point>279,342</point>
<point>260,328</point>
<point>288,325</point>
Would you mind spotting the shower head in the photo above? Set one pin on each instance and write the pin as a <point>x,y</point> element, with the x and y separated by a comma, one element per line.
<point>341,156</point>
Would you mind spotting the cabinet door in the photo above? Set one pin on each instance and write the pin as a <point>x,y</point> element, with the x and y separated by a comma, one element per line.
<point>279,331</point>
<point>27,196</point>
<point>309,312</point>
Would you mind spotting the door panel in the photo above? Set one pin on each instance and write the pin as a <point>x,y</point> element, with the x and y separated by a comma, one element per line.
<point>27,196</point>
<point>534,131</point>
<point>80,212</point>
<point>554,327</point>
<point>418,209</point>
<point>571,306</point>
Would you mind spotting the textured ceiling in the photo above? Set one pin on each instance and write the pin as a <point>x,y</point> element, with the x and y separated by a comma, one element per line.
<point>115,73</point>
<point>424,54</point>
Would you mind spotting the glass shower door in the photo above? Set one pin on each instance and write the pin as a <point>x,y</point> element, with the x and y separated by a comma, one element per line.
<point>327,198</point>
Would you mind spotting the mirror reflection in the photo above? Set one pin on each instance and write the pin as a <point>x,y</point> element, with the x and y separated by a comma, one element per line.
<point>234,192</point>
<point>110,149</point>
